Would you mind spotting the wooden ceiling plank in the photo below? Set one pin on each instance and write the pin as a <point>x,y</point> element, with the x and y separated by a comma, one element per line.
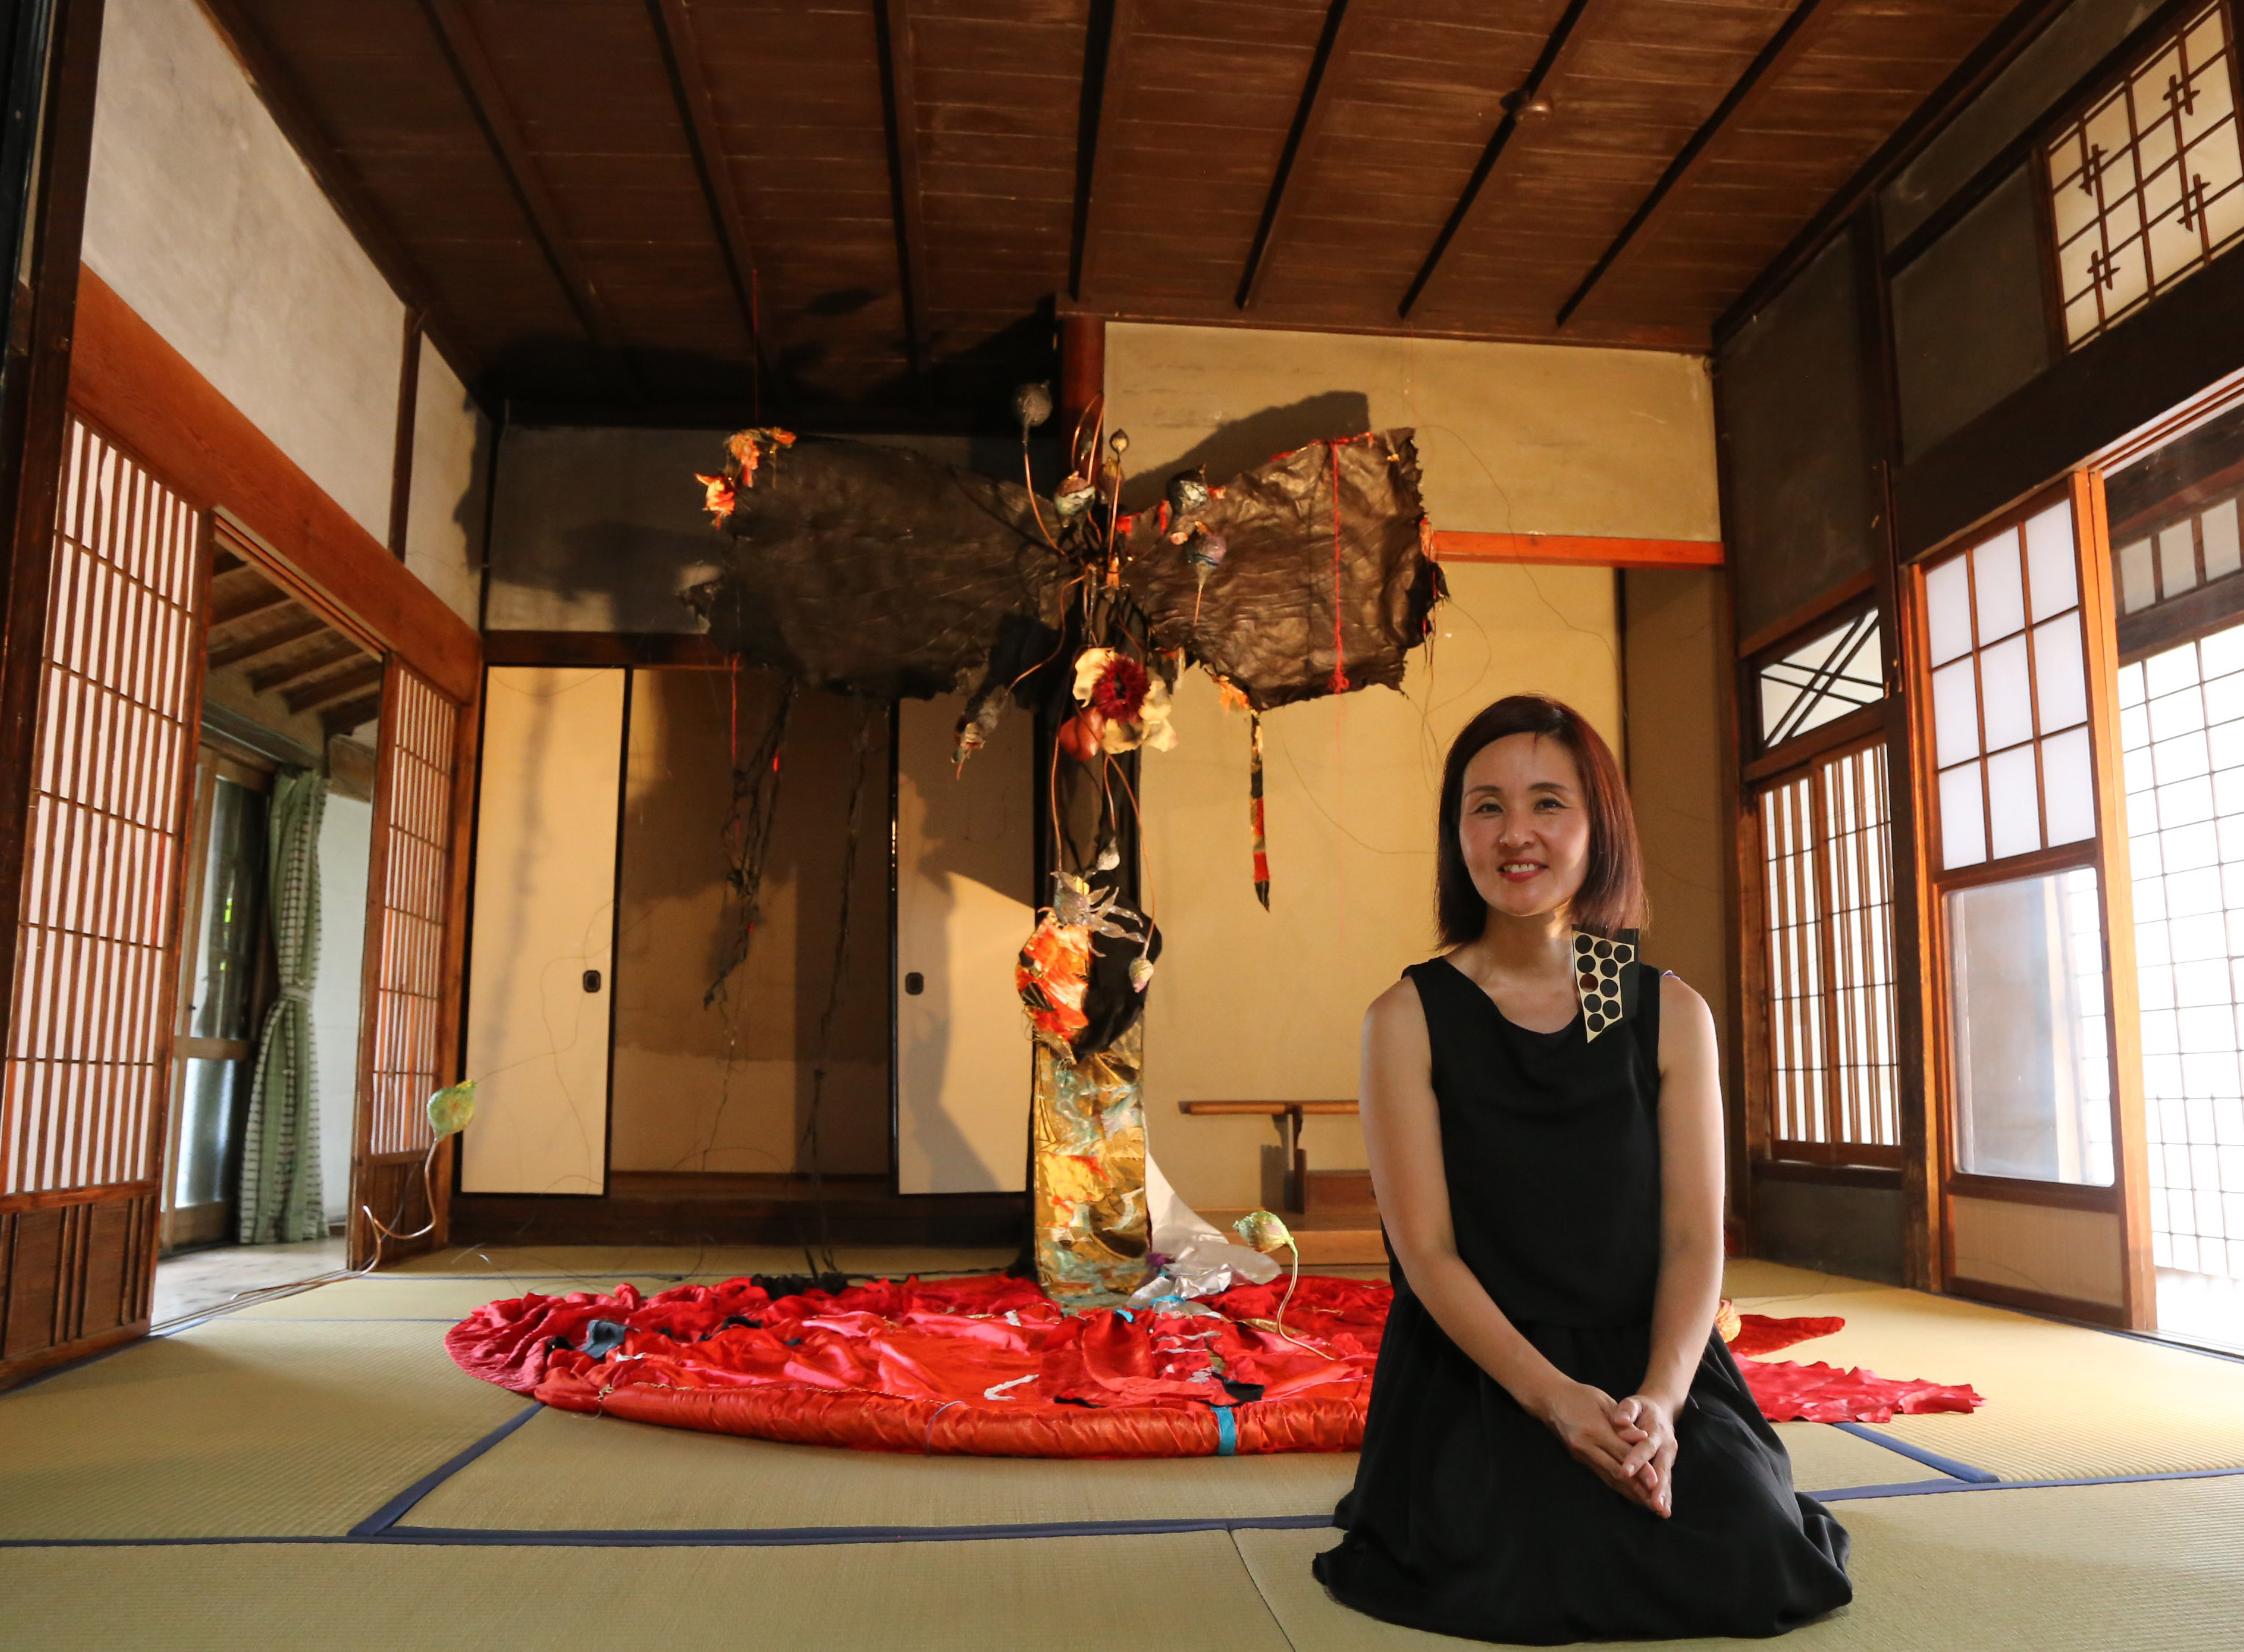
<point>1334,43</point>
<point>900,115</point>
<point>1793,38</point>
<point>1567,38</point>
<point>689,82</point>
<point>486,101</point>
<point>1105,56</point>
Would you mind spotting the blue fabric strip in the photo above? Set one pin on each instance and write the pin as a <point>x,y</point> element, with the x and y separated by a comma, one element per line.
<point>395,1509</point>
<point>1930,1459</point>
<point>1226,1432</point>
<point>1932,1487</point>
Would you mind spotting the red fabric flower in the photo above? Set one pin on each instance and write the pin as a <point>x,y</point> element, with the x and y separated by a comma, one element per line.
<point>1119,693</point>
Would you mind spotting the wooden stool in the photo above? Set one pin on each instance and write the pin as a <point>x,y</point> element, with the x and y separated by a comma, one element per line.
<point>1301,1192</point>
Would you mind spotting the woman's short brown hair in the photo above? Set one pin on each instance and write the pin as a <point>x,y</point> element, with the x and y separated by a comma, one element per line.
<point>1612,895</point>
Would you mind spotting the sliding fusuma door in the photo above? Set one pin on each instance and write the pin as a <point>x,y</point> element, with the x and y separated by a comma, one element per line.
<point>2032,999</point>
<point>87,1064</point>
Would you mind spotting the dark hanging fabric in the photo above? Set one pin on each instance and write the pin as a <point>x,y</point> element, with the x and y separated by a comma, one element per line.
<point>882,572</point>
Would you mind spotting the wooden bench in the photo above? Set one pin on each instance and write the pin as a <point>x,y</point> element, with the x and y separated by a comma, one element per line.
<point>1300,1192</point>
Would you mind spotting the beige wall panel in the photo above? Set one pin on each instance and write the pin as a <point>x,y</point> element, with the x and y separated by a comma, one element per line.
<point>1516,438</point>
<point>1677,758</point>
<point>202,217</point>
<point>1255,1005</point>
<point>2038,1247</point>
<point>726,1086</point>
<point>545,914</point>
<point>965,876</point>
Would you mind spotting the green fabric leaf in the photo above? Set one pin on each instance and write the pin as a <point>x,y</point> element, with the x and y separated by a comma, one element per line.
<point>451,1107</point>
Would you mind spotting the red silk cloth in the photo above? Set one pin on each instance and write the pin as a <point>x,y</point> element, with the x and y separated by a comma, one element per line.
<point>990,1366</point>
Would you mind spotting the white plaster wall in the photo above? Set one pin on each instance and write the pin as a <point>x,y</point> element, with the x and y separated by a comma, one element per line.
<point>1512,438</point>
<point>202,218</point>
<point>444,513</point>
<point>346,840</point>
<point>1249,1004</point>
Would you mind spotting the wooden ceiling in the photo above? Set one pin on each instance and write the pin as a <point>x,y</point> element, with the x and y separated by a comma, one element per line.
<point>293,664</point>
<point>624,207</point>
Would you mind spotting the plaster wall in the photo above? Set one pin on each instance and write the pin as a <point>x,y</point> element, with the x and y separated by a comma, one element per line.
<point>202,217</point>
<point>1268,1006</point>
<point>445,511</point>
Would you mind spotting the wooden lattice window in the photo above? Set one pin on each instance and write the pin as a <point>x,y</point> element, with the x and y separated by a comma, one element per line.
<point>1828,904</point>
<point>2193,548</point>
<point>2148,182</point>
<point>404,1036</point>
<point>89,1047</point>
<point>1839,670</point>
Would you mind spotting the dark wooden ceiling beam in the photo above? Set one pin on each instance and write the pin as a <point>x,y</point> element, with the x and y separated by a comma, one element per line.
<point>478,80</point>
<point>1279,210</point>
<point>696,108</point>
<point>1784,48</point>
<point>899,115</point>
<point>232,650</point>
<point>1522,104</point>
<point>342,719</point>
<point>1106,52</point>
<point>328,690</point>
<point>334,650</point>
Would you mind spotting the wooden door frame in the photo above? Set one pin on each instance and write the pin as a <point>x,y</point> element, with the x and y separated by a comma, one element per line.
<point>2128,1196</point>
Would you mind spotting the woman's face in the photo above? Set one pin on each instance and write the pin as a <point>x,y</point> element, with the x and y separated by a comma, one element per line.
<point>1523,825</point>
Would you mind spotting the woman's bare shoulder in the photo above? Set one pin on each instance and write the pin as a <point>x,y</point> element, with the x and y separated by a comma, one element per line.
<point>1679,995</point>
<point>1397,1009</point>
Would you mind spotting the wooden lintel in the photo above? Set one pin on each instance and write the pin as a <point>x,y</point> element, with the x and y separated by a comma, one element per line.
<point>1578,550</point>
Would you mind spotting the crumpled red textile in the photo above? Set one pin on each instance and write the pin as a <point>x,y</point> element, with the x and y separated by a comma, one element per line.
<point>991,1364</point>
<point>1786,1392</point>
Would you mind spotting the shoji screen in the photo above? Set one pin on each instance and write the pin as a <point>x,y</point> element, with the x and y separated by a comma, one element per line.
<point>409,1035</point>
<point>2042,1113</point>
<point>88,1048</point>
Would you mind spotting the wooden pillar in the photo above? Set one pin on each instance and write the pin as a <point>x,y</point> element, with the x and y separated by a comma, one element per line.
<point>1082,371</point>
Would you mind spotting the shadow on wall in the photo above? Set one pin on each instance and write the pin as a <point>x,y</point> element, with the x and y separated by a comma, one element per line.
<point>1257,438</point>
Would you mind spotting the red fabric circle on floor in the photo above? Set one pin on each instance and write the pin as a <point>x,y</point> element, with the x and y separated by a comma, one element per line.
<point>990,1366</point>
<point>986,1365</point>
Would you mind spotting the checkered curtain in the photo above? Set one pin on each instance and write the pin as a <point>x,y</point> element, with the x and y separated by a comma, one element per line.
<point>281,1197</point>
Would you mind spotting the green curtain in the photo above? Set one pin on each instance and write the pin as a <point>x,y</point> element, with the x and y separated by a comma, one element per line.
<point>280,1196</point>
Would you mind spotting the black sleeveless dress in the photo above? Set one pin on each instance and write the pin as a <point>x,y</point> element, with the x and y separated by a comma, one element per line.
<point>1468,1516</point>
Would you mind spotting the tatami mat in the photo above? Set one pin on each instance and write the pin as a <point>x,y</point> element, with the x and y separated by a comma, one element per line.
<point>237,1430</point>
<point>2063,1402</point>
<point>2149,1568</point>
<point>566,1472</point>
<point>1088,1595</point>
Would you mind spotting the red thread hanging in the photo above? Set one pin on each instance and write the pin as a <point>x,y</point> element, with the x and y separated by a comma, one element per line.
<point>1339,684</point>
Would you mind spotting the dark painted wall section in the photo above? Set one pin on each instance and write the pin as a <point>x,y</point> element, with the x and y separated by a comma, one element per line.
<point>1801,500</point>
<point>1853,1230</point>
<point>1970,326</point>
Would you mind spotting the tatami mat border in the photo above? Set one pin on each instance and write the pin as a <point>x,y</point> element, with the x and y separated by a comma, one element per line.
<point>814,1535</point>
<point>1948,1465</point>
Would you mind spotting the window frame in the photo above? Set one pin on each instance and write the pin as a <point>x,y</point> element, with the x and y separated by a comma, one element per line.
<point>2105,852</point>
<point>1770,1147</point>
<point>2071,113</point>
